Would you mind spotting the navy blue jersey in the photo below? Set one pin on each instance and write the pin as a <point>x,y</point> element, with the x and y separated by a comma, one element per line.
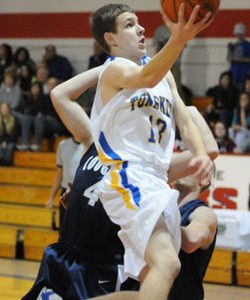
<point>188,284</point>
<point>84,263</point>
<point>86,228</point>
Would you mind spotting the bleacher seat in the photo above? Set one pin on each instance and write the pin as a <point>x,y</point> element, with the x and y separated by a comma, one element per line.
<point>220,267</point>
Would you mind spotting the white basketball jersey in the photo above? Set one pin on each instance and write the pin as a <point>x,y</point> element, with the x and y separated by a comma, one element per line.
<point>135,125</point>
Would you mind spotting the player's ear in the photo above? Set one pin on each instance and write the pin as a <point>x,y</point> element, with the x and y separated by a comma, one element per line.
<point>109,39</point>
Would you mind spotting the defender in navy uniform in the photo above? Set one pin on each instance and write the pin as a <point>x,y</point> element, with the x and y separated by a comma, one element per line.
<point>199,226</point>
<point>87,259</point>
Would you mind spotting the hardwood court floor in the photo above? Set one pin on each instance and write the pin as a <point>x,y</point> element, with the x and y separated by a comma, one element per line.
<point>17,277</point>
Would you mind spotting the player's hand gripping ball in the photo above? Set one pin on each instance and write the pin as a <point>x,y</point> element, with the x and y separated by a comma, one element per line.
<point>171,8</point>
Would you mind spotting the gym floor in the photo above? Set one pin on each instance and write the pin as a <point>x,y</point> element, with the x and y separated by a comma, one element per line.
<point>17,277</point>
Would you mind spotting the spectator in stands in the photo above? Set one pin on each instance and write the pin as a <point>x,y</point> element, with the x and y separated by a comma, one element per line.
<point>247,85</point>
<point>58,66</point>
<point>22,57</point>
<point>68,157</point>
<point>161,36</point>
<point>239,55</point>
<point>6,59</point>
<point>25,78</point>
<point>31,108</point>
<point>240,130</point>
<point>10,91</point>
<point>98,58</point>
<point>48,123</point>
<point>42,77</point>
<point>8,134</point>
<point>224,99</point>
<point>224,143</point>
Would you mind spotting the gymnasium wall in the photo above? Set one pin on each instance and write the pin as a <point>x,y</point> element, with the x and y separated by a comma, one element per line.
<point>65,23</point>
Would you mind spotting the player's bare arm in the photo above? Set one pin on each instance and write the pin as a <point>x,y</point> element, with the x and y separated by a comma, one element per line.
<point>180,164</point>
<point>121,75</point>
<point>190,135</point>
<point>201,231</point>
<point>73,116</point>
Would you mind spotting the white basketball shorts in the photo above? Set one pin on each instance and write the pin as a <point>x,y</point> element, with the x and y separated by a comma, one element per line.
<point>135,197</point>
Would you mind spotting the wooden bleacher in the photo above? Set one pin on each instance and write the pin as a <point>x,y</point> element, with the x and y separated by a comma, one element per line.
<point>24,191</point>
<point>24,194</point>
<point>243,268</point>
<point>35,240</point>
<point>8,239</point>
<point>201,103</point>
<point>220,267</point>
<point>35,160</point>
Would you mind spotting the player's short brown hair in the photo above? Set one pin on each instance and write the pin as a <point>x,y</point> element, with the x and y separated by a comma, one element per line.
<point>104,20</point>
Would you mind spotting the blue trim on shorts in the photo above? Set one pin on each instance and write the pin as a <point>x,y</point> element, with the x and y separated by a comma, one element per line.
<point>134,189</point>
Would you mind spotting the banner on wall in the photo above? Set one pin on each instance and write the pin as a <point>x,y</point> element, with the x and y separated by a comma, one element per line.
<point>231,188</point>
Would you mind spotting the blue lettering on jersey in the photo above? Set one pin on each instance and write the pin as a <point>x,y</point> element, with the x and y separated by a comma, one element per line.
<point>159,103</point>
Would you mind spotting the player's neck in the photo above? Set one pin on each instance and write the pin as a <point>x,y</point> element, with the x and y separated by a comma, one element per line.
<point>117,53</point>
<point>187,196</point>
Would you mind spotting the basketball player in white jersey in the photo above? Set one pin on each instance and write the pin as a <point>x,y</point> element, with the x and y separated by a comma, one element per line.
<point>133,126</point>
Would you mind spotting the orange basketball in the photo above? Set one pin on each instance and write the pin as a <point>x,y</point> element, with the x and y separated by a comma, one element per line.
<point>171,8</point>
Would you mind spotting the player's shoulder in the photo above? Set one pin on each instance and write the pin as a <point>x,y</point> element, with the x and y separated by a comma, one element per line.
<point>119,63</point>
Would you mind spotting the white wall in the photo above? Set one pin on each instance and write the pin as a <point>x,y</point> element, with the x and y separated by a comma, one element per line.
<point>202,62</point>
<point>88,5</point>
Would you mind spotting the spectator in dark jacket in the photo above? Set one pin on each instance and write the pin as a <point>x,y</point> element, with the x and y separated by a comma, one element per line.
<point>58,66</point>
<point>48,124</point>
<point>8,134</point>
<point>6,59</point>
<point>22,57</point>
<point>32,107</point>
<point>225,96</point>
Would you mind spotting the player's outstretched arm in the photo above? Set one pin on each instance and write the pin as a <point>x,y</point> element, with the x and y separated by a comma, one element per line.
<point>73,116</point>
<point>200,232</point>
<point>121,75</point>
<point>180,164</point>
<point>191,136</point>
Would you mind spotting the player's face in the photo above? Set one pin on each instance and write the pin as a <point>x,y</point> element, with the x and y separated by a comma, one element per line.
<point>220,130</point>
<point>129,37</point>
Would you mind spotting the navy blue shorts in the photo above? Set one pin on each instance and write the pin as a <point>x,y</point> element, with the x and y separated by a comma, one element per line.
<point>74,278</point>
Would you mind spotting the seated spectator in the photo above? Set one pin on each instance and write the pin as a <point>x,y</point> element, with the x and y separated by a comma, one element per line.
<point>31,108</point>
<point>25,78</point>
<point>6,59</point>
<point>210,116</point>
<point>48,124</point>
<point>10,91</point>
<point>247,85</point>
<point>8,134</point>
<point>240,130</point>
<point>161,36</point>
<point>58,66</point>
<point>239,55</point>
<point>224,99</point>
<point>98,58</point>
<point>22,57</point>
<point>225,144</point>
<point>42,77</point>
